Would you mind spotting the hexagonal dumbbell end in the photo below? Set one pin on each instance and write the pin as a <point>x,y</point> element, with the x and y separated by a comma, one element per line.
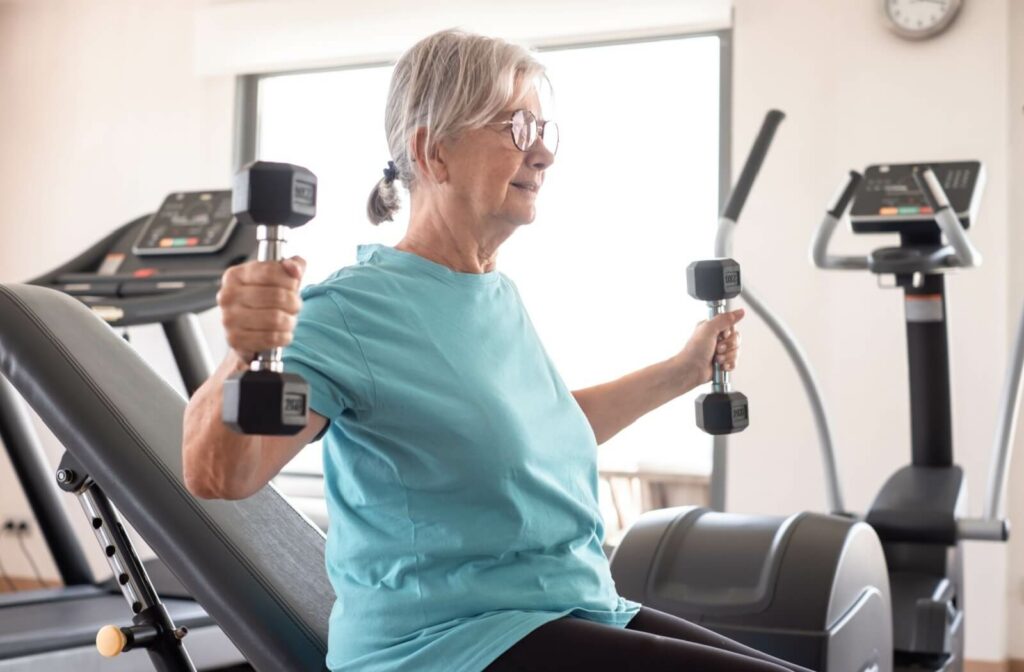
<point>722,412</point>
<point>280,194</point>
<point>266,402</point>
<point>713,279</point>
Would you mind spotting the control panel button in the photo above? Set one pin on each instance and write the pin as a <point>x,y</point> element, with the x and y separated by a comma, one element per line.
<point>188,223</point>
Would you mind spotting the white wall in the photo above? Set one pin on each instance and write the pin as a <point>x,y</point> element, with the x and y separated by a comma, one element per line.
<point>103,110</point>
<point>1015,226</point>
<point>256,36</point>
<point>855,94</point>
<point>101,116</point>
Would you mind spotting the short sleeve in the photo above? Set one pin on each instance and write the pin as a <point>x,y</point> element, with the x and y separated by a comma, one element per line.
<point>326,353</point>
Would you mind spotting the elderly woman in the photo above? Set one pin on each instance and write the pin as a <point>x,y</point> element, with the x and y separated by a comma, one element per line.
<point>460,472</point>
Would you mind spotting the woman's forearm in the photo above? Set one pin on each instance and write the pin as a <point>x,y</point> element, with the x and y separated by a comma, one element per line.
<point>613,406</point>
<point>217,462</point>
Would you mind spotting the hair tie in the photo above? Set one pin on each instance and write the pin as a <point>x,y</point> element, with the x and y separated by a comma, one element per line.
<point>391,172</point>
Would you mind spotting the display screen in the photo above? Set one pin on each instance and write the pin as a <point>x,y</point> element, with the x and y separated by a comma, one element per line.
<point>888,198</point>
<point>188,223</point>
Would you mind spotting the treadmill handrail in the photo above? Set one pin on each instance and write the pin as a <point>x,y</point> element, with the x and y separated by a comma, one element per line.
<point>154,308</point>
<point>40,488</point>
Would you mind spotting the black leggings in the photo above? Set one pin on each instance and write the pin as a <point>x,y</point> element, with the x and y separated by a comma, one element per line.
<point>652,642</point>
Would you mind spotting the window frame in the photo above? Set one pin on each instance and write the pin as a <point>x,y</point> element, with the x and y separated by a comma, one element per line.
<point>246,123</point>
<point>246,138</point>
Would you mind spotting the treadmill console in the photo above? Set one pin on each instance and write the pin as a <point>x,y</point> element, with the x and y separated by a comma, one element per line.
<point>159,266</point>
<point>888,200</point>
<point>188,223</point>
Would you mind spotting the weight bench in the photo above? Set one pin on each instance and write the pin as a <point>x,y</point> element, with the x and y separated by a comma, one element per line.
<point>256,566</point>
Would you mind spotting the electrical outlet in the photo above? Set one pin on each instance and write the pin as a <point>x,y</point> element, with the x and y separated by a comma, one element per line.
<point>17,526</point>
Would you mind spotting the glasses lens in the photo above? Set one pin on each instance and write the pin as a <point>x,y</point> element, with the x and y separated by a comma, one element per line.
<point>524,129</point>
<point>550,136</point>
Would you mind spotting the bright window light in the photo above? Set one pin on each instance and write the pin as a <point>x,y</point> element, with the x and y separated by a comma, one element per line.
<point>631,199</point>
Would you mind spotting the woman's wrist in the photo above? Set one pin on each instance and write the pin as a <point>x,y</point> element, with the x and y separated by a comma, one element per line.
<point>685,373</point>
<point>233,363</point>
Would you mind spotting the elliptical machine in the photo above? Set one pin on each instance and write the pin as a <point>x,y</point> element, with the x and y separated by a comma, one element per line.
<point>784,584</point>
<point>920,512</point>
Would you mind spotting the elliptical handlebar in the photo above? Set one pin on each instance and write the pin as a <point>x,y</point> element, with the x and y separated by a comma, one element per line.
<point>961,253</point>
<point>823,236</point>
<point>723,248</point>
<point>738,196</point>
<point>1009,409</point>
<point>965,254</point>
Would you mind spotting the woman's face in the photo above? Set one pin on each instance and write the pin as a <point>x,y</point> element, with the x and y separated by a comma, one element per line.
<point>489,178</point>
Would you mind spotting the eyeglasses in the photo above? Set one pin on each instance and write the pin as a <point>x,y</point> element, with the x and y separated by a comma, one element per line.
<point>525,129</point>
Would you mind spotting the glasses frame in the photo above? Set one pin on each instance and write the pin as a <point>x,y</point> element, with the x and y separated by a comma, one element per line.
<point>531,120</point>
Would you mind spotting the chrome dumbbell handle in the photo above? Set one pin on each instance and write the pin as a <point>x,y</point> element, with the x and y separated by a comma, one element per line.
<point>270,247</point>
<point>719,376</point>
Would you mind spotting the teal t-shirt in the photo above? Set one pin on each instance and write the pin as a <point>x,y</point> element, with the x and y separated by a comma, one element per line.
<point>460,473</point>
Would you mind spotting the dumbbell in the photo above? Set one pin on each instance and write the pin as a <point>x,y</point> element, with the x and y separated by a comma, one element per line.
<point>265,399</point>
<point>715,281</point>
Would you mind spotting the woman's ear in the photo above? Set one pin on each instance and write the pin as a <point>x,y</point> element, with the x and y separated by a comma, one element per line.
<point>428,158</point>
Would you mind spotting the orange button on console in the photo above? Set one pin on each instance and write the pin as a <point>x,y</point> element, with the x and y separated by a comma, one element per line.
<point>885,212</point>
<point>166,242</point>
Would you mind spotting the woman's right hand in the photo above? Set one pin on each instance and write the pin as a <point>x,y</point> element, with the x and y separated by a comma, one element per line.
<point>259,303</point>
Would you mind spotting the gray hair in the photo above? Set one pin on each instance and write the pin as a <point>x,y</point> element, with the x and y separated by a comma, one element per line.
<point>449,82</point>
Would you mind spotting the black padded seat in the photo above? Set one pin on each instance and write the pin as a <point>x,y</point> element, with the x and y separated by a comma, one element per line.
<point>256,566</point>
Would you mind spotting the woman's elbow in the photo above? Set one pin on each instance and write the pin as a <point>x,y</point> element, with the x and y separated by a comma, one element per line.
<point>208,489</point>
<point>200,487</point>
<point>203,483</point>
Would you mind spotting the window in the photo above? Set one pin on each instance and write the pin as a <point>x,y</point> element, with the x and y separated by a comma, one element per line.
<point>631,199</point>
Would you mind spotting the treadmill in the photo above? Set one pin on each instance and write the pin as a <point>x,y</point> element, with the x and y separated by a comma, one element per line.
<point>162,268</point>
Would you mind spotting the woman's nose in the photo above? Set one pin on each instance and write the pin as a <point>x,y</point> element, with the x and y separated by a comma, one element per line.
<point>539,157</point>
